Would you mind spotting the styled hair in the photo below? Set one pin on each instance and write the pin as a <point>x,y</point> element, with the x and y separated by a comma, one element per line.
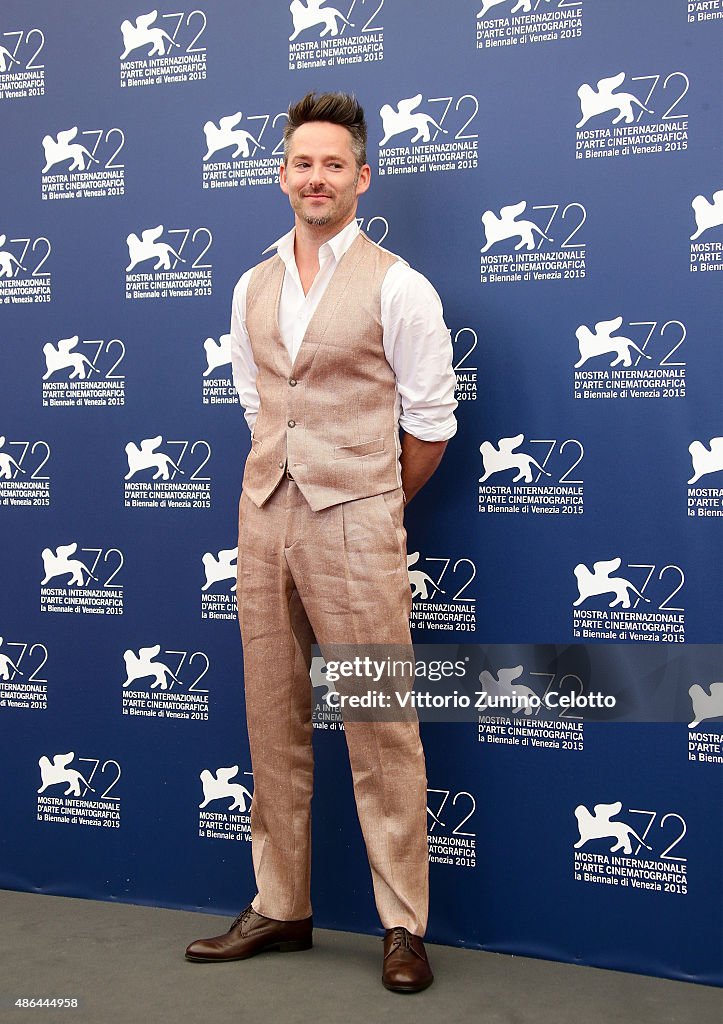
<point>335,107</point>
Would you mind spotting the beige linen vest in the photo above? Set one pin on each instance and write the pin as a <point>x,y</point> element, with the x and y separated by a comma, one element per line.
<point>330,416</point>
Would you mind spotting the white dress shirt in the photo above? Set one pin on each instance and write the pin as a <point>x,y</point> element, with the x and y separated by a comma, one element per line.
<point>417,343</point>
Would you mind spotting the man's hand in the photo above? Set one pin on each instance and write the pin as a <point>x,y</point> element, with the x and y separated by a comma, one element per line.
<point>419,460</point>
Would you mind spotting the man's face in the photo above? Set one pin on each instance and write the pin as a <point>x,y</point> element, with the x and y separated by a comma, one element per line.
<point>321,177</point>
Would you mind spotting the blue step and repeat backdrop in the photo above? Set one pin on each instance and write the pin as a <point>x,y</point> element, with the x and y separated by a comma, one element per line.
<point>554,167</point>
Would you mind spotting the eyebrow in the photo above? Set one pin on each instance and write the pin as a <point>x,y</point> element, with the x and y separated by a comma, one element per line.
<point>328,156</point>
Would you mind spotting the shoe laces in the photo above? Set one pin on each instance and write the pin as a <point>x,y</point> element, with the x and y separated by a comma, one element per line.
<point>401,938</point>
<point>243,917</point>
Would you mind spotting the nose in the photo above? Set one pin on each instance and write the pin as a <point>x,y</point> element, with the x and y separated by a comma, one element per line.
<point>316,177</point>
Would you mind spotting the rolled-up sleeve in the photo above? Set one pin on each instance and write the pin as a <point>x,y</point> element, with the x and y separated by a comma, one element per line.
<point>242,361</point>
<point>418,347</point>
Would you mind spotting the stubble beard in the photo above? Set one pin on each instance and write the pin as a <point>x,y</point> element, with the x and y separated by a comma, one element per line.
<point>326,218</point>
<point>318,221</point>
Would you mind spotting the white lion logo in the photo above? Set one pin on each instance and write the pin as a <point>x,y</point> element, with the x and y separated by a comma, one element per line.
<point>57,563</point>
<point>600,825</point>
<point>146,457</point>
<point>404,119</point>
<point>143,664</point>
<point>56,773</point>
<point>8,262</point>
<point>599,581</point>
<point>706,460</point>
<point>705,705</point>
<point>593,103</point>
<point>419,581</point>
<point>317,674</point>
<point>8,466</point>
<point>218,353</point>
<point>707,214</point>
<point>227,134</point>
<point>61,357</point>
<point>602,343</point>
<point>522,695</point>
<point>522,5</point>
<point>62,148</point>
<point>313,14</point>
<point>7,59</point>
<point>504,457</point>
<point>499,229</point>
<point>219,568</point>
<point>8,668</point>
<point>218,787</point>
<point>147,247</point>
<point>141,34</point>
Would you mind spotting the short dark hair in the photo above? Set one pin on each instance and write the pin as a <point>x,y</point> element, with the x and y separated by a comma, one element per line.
<point>338,108</point>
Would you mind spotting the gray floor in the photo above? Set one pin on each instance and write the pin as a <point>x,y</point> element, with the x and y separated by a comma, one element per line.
<point>125,964</point>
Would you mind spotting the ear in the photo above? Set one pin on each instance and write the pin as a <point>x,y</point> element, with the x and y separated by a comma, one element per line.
<point>283,183</point>
<point>364,179</point>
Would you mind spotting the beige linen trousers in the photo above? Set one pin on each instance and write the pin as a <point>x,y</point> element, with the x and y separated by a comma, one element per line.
<point>338,575</point>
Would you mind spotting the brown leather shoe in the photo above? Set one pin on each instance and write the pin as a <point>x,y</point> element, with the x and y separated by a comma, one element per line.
<point>251,934</point>
<point>406,968</point>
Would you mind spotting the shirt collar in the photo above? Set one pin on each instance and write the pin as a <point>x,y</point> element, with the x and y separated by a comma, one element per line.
<point>335,246</point>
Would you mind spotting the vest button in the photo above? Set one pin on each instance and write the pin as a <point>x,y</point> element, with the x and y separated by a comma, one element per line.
<point>293,382</point>
<point>292,423</point>
<point>281,465</point>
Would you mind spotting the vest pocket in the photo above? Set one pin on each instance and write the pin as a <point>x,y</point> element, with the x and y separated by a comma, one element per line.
<point>256,444</point>
<point>355,451</point>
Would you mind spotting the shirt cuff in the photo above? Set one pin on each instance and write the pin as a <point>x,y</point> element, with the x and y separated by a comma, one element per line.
<point>441,431</point>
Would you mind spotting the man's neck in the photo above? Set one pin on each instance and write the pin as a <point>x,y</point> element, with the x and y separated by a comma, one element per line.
<point>308,239</point>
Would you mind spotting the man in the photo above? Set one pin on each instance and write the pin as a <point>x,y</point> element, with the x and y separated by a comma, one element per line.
<point>335,342</point>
